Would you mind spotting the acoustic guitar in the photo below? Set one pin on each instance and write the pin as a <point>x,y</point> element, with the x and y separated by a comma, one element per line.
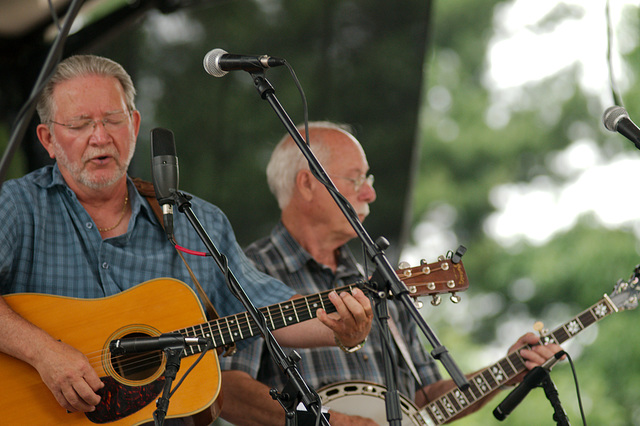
<point>134,381</point>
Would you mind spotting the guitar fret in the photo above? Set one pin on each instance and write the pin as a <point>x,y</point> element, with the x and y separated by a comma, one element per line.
<point>190,332</point>
<point>212,334</point>
<point>475,391</point>
<point>482,386</point>
<point>322,302</point>
<point>225,330</point>
<point>203,334</point>
<point>506,362</point>
<point>490,380</point>
<point>306,301</point>
<point>246,317</point>
<point>220,333</point>
<point>588,318</point>
<point>461,398</point>
<point>236,335</point>
<point>447,406</point>
<point>295,311</point>
<point>273,326</point>
<point>441,409</point>
<point>451,401</point>
<point>284,320</point>
<point>435,413</point>
<point>498,374</point>
<point>516,361</point>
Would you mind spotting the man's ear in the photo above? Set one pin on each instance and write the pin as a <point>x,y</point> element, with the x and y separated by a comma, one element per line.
<point>306,183</point>
<point>45,136</point>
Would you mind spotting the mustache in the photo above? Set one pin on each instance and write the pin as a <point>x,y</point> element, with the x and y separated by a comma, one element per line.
<point>107,151</point>
<point>364,210</point>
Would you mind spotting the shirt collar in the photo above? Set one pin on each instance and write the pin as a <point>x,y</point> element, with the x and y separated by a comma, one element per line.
<point>137,201</point>
<point>295,257</point>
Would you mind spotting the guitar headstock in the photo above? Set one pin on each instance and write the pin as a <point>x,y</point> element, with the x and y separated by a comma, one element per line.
<point>625,293</point>
<point>447,275</point>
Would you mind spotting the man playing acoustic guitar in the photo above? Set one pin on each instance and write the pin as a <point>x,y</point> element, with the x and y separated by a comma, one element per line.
<point>80,229</point>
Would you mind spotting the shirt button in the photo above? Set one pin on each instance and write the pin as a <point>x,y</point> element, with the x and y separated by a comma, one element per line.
<point>365,357</point>
<point>89,225</point>
<point>105,265</point>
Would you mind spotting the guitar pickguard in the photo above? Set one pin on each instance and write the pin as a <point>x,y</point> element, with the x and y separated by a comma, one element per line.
<point>119,401</point>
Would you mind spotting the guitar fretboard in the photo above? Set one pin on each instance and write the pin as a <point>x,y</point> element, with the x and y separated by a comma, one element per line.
<point>491,378</point>
<point>227,330</point>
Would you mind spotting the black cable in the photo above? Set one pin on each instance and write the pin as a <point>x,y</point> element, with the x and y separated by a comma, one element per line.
<point>575,379</point>
<point>208,346</point>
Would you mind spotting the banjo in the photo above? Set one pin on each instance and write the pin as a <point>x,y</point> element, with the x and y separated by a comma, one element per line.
<point>367,399</point>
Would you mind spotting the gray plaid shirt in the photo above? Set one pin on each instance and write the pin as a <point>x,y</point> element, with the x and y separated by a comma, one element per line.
<point>280,256</point>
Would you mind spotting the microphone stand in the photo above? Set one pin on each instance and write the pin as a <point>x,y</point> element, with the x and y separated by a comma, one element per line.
<point>297,390</point>
<point>550,390</point>
<point>386,279</point>
<point>25,114</point>
<point>174,355</point>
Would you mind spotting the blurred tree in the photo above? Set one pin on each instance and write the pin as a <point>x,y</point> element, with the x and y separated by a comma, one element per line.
<point>466,157</point>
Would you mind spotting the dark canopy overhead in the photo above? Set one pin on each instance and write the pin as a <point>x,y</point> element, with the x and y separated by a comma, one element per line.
<point>359,61</point>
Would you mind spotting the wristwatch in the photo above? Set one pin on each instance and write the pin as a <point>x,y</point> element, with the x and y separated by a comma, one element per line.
<point>346,349</point>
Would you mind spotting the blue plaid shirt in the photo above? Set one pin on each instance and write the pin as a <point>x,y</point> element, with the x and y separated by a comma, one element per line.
<point>49,244</point>
<point>281,256</point>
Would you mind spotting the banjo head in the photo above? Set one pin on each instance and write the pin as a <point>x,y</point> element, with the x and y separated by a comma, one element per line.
<point>367,399</point>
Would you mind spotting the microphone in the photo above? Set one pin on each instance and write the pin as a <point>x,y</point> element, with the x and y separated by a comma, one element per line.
<point>530,381</point>
<point>147,344</point>
<point>218,62</point>
<point>164,170</point>
<point>616,119</point>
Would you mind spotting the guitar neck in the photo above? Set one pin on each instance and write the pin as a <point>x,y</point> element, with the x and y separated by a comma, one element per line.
<point>234,328</point>
<point>491,378</point>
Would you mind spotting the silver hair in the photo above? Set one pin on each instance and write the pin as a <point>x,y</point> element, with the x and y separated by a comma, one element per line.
<point>79,66</point>
<point>287,160</point>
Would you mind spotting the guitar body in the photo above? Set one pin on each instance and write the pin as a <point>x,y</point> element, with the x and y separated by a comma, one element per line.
<point>151,308</point>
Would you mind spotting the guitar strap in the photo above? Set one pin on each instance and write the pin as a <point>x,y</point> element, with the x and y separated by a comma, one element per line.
<point>146,190</point>
<point>404,351</point>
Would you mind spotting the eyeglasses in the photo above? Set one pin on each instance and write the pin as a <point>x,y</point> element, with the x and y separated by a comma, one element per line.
<point>110,122</point>
<point>359,181</point>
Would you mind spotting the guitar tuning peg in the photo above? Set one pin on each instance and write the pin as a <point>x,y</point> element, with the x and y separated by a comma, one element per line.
<point>436,300</point>
<point>418,303</point>
<point>538,326</point>
<point>405,268</point>
<point>455,298</point>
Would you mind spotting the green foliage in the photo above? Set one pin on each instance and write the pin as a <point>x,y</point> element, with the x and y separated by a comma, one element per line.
<point>464,159</point>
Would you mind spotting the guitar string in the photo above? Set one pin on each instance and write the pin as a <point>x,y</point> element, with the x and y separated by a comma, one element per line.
<point>241,321</point>
<point>285,309</point>
<point>136,362</point>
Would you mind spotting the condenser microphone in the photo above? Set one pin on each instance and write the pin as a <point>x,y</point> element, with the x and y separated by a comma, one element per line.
<point>616,119</point>
<point>164,170</point>
<point>158,343</point>
<point>218,62</point>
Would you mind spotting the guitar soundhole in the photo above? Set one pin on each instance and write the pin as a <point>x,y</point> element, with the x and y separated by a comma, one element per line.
<point>137,368</point>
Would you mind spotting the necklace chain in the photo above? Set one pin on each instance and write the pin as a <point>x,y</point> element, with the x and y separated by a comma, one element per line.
<point>124,209</point>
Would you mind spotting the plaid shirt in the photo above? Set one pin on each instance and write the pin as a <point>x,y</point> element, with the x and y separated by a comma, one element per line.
<point>279,255</point>
<point>49,244</point>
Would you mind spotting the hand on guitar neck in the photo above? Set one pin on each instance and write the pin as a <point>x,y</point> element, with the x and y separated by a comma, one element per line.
<point>533,357</point>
